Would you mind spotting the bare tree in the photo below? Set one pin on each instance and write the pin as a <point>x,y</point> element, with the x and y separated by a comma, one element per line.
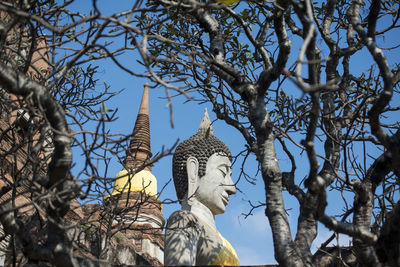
<point>280,72</point>
<point>285,74</point>
<point>52,103</point>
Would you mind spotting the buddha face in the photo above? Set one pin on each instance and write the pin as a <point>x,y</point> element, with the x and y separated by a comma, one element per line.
<point>215,187</point>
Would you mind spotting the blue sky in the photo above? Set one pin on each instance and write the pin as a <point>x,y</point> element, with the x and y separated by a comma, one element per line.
<point>250,237</point>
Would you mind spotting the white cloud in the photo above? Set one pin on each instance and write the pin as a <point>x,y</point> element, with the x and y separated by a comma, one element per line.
<point>249,256</point>
<point>252,238</point>
<point>253,224</point>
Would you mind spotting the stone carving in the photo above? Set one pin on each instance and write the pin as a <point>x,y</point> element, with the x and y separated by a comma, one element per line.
<point>202,178</point>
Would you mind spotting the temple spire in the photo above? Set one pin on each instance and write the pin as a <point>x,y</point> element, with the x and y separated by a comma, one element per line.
<point>139,149</point>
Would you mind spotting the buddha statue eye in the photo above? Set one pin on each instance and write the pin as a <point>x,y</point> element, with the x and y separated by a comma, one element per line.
<point>223,172</point>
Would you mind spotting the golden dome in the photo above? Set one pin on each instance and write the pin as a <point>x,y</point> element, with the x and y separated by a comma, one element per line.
<point>142,181</point>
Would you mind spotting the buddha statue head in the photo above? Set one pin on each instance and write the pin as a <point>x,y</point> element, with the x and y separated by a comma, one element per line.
<point>202,169</point>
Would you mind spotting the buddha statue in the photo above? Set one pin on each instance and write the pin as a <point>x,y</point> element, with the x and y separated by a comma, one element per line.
<point>202,178</point>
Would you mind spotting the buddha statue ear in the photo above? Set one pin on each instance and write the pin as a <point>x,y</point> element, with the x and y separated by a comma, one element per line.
<point>192,168</point>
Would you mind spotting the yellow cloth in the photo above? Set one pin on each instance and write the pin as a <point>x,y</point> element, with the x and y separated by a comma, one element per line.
<point>227,2</point>
<point>227,256</point>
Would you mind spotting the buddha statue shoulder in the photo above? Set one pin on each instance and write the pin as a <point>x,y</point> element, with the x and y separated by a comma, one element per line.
<point>202,179</point>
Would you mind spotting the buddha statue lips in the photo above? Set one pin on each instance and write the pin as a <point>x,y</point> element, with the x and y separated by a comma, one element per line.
<point>202,179</point>
<point>225,199</point>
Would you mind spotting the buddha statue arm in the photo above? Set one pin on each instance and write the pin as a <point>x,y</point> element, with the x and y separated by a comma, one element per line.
<point>181,239</point>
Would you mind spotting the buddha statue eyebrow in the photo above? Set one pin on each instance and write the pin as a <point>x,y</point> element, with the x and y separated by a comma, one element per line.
<point>227,168</point>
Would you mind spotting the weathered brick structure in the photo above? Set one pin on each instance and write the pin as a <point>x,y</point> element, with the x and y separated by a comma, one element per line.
<point>133,207</point>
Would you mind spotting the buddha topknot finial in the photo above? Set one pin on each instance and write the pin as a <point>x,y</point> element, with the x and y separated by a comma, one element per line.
<point>205,125</point>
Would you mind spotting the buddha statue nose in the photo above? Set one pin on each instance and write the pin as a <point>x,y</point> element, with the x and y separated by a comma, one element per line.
<point>230,187</point>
